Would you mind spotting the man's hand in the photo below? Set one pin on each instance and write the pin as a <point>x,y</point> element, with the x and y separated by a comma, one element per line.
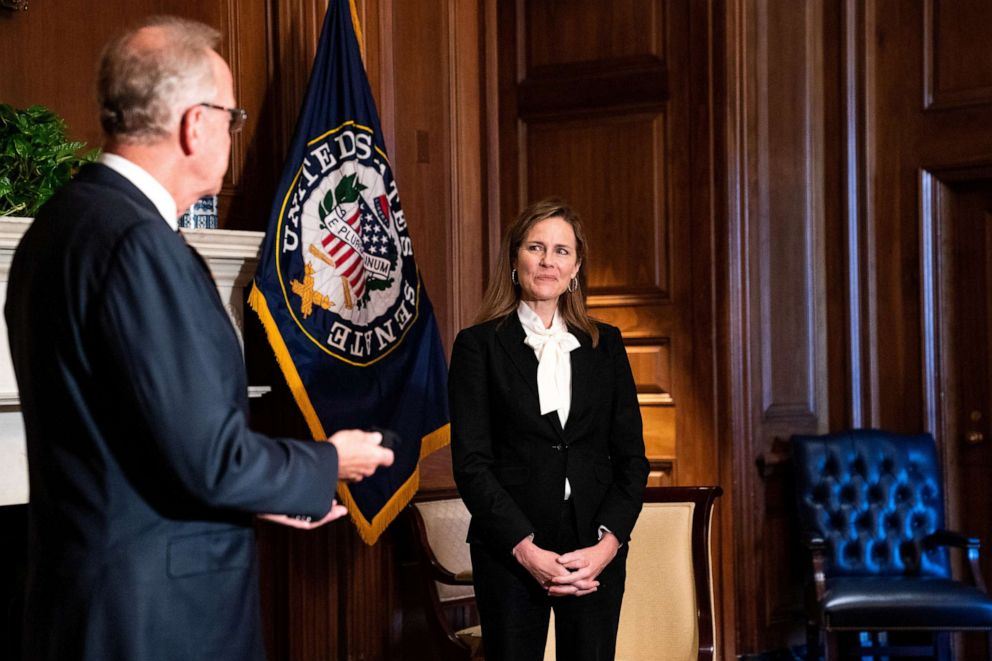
<point>585,566</point>
<point>359,453</point>
<point>542,565</point>
<point>336,512</point>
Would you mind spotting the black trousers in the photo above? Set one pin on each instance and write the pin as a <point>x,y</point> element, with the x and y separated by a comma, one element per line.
<point>514,609</point>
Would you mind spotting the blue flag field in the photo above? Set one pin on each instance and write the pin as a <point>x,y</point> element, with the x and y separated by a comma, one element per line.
<point>337,287</point>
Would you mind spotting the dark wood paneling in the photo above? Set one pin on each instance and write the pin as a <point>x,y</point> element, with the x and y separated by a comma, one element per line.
<point>777,291</point>
<point>604,86</point>
<point>611,170</point>
<point>561,32</point>
<point>422,128</point>
<point>958,223</point>
<point>957,70</point>
<point>63,78</point>
<point>787,213</point>
<point>651,365</point>
<point>892,330</point>
<point>254,170</point>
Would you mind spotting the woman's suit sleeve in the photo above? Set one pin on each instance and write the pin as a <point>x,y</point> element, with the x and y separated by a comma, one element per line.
<point>622,504</point>
<point>496,516</point>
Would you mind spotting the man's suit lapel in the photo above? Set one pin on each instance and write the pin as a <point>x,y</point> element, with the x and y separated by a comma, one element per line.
<point>511,335</point>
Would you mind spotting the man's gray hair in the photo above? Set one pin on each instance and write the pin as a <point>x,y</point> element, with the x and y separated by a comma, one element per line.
<point>147,80</point>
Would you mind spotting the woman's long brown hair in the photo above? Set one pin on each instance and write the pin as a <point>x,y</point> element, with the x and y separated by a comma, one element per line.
<point>502,296</point>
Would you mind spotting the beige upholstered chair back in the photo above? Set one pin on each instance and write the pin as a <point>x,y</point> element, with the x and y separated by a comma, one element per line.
<point>661,616</point>
<point>446,522</point>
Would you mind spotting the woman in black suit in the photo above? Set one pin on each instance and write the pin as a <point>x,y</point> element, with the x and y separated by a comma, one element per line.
<point>547,448</point>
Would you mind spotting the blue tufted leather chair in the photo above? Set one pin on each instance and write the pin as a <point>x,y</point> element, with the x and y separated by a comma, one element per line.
<point>871,507</point>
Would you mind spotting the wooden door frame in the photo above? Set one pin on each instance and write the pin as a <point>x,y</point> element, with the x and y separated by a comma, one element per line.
<point>935,281</point>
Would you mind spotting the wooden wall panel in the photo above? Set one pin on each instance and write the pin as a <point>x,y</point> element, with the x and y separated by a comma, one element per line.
<point>64,78</point>
<point>787,254</point>
<point>651,365</point>
<point>421,156</point>
<point>777,251</point>
<point>957,69</point>
<point>612,171</point>
<point>586,31</point>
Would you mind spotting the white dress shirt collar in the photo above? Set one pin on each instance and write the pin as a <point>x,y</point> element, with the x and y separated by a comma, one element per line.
<point>146,183</point>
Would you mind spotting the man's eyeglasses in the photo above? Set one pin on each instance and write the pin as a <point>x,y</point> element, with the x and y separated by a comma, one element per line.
<point>238,116</point>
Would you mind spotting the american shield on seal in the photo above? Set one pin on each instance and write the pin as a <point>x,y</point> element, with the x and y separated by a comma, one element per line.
<point>337,287</point>
<point>346,259</point>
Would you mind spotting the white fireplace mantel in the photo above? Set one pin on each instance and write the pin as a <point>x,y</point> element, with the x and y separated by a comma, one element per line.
<point>232,257</point>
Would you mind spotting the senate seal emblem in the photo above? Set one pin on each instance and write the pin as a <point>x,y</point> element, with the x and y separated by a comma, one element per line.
<point>345,259</point>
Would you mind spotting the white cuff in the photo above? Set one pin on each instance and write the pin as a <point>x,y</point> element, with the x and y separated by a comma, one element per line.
<point>603,530</point>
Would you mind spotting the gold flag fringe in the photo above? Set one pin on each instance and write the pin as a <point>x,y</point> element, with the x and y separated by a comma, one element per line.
<point>358,29</point>
<point>257,302</point>
<point>370,531</point>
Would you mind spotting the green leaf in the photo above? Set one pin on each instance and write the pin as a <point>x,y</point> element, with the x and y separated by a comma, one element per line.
<point>348,189</point>
<point>22,147</point>
<point>36,158</point>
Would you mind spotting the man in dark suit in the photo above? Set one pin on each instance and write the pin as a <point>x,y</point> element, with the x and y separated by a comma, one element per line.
<point>144,475</point>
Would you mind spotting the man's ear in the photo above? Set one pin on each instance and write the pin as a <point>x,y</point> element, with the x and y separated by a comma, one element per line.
<point>190,129</point>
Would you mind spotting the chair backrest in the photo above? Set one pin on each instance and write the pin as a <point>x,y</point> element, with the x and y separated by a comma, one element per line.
<point>445,528</point>
<point>667,610</point>
<point>872,496</point>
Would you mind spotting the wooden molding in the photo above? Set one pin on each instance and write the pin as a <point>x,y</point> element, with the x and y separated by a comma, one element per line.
<point>935,98</point>
<point>634,84</point>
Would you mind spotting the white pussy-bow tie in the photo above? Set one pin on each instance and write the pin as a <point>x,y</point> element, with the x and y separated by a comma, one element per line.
<point>552,346</point>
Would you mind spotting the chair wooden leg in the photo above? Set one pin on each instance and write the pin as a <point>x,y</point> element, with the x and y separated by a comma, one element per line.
<point>831,651</point>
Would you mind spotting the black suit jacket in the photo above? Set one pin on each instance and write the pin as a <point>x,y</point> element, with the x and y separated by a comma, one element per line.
<point>143,472</point>
<point>510,462</point>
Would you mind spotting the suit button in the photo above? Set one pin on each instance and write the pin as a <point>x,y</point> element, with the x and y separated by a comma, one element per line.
<point>559,447</point>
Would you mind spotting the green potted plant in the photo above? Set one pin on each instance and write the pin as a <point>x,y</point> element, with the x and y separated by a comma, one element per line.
<point>36,158</point>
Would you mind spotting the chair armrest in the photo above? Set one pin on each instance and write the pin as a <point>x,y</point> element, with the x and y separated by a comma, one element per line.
<point>951,538</point>
<point>814,541</point>
<point>442,575</point>
<point>971,545</point>
<point>817,547</point>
